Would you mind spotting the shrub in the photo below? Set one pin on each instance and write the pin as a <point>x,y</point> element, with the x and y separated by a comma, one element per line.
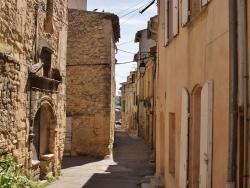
<point>11,177</point>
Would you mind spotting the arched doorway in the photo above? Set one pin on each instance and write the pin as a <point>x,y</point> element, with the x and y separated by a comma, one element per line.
<point>194,137</point>
<point>44,130</point>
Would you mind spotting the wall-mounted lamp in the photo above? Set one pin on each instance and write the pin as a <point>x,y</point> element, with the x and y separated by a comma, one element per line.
<point>142,68</point>
<point>143,56</point>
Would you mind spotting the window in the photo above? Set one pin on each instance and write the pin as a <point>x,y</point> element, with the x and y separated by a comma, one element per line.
<point>185,12</point>
<point>123,105</point>
<point>195,7</point>
<point>166,22</point>
<point>175,17</point>
<point>45,57</point>
<point>191,8</point>
<point>171,20</point>
<point>171,149</point>
<point>48,23</point>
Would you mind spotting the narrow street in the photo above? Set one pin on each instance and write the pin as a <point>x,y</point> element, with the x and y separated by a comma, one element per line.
<point>129,165</point>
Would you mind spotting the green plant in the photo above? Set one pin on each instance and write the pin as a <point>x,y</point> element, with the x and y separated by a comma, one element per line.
<point>11,177</point>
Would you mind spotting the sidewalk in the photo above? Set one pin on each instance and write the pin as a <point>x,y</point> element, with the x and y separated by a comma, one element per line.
<point>129,165</point>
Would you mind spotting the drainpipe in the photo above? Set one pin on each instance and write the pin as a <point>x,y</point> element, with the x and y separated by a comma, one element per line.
<point>233,91</point>
<point>244,78</point>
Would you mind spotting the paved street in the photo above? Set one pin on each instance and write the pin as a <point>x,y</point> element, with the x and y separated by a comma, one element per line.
<point>129,165</point>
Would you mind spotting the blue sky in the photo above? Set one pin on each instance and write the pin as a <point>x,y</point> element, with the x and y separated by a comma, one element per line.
<point>131,21</point>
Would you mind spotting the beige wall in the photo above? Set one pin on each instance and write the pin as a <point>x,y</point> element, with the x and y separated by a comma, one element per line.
<point>199,53</point>
<point>129,95</point>
<point>90,82</point>
<point>23,94</point>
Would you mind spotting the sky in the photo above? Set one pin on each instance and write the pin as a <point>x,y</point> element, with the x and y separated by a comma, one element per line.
<point>131,21</point>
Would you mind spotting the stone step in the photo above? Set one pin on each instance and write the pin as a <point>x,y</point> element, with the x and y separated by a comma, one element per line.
<point>146,185</point>
<point>156,183</point>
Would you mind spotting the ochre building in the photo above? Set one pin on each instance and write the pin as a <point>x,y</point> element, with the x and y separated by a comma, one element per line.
<point>33,38</point>
<point>91,82</point>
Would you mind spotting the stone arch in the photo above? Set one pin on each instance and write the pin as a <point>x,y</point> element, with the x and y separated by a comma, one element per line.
<point>194,135</point>
<point>44,127</point>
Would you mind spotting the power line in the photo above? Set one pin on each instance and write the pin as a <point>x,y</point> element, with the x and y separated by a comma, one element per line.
<point>125,43</point>
<point>128,19</point>
<point>135,10</point>
<point>126,51</point>
<point>130,7</point>
<point>59,19</point>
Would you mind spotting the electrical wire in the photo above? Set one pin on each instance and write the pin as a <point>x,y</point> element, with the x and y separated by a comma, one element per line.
<point>126,51</point>
<point>135,10</point>
<point>128,19</point>
<point>130,7</point>
<point>125,43</point>
<point>59,19</point>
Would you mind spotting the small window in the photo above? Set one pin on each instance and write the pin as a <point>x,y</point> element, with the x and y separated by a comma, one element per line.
<point>48,23</point>
<point>195,7</point>
<point>123,105</point>
<point>171,20</point>
<point>171,153</point>
<point>166,22</point>
<point>45,57</point>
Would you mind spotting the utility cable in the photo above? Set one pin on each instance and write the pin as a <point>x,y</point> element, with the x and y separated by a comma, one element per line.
<point>128,19</point>
<point>130,7</point>
<point>125,43</point>
<point>135,10</point>
<point>126,51</point>
<point>59,19</point>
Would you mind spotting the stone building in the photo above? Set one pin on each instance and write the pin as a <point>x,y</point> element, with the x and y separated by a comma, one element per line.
<point>91,82</point>
<point>129,102</point>
<point>32,84</point>
<point>145,88</point>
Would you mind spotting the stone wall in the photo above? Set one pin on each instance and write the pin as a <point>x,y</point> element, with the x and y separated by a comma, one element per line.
<point>23,87</point>
<point>91,81</point>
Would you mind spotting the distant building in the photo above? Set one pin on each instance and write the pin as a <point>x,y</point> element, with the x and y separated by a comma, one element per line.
<point>91,82</point>
<point>145,90</point>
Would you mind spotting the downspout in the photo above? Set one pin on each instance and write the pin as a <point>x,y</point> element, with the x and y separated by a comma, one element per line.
<point>233,91</point>
<point>244,78</point>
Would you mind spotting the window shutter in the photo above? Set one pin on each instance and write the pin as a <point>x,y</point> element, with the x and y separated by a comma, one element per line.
<point>185,11</point>
<point>175,17</point>
<point>203,2</point>
<point>206,135</point>
<point>166,22</point>
<point>184,140</point>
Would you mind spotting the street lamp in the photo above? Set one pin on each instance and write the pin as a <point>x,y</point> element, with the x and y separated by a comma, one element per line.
<point>142,68</point>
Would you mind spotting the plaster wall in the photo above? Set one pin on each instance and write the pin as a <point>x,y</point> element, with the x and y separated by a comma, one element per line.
<point>197,54</point>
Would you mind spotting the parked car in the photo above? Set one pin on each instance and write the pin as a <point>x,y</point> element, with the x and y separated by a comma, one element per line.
<point>118,122</point>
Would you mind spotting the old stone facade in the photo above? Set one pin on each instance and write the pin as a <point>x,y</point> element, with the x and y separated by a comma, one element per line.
<point>91,83</point>
<point>147,56</point>
<point>129,102</point>
<point>32,84</point>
